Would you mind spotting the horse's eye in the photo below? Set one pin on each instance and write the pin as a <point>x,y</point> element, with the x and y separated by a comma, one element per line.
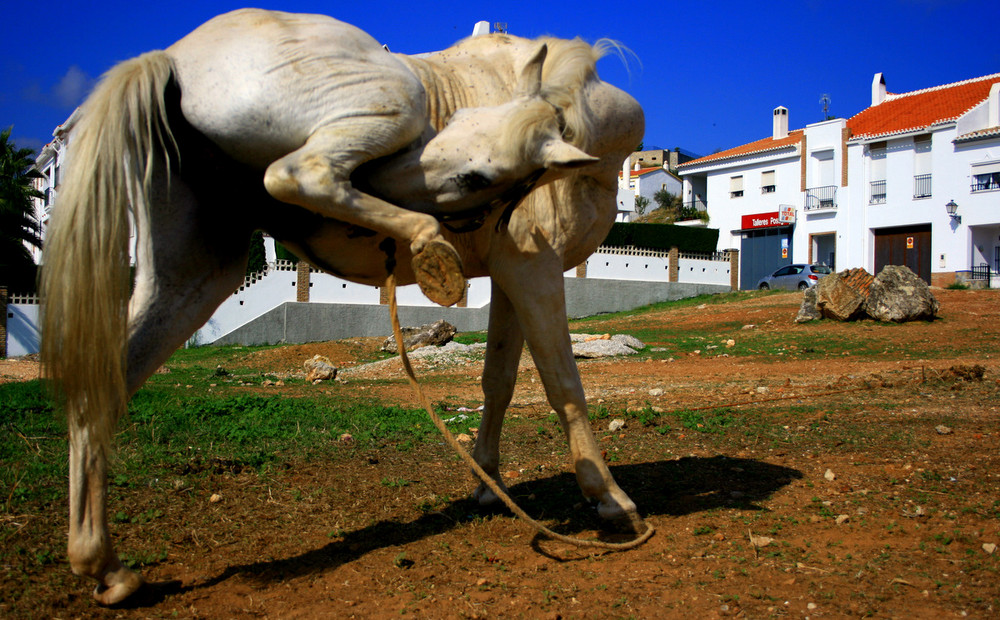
<point>471,182</point>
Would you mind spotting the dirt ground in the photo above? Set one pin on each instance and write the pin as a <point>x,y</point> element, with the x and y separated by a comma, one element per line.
<point>833,486</point>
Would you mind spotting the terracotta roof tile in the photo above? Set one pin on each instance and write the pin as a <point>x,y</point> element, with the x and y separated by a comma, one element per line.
<point>989,132</point>
<point>921,109</point>
<point>642,171</point>
<point>760,146</point>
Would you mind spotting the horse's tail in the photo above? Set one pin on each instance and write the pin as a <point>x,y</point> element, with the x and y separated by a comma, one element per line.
<point>85,280</point>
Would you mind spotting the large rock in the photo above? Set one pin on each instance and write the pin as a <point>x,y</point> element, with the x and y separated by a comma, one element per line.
<point>897,294</point>
<point>319,368</point>
<point>808,311</point>
<point>841,296</point>
<point>592,347</point>
<point>435,334</point>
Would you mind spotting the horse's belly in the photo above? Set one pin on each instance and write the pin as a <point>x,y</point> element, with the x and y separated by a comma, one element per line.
<point>258,83</point>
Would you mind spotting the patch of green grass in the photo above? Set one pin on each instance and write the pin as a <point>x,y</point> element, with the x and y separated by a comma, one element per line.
<point>714,299</point>
<point>140,559</point>
<point>470,337</point>
<point>33,446</point>
<point>170,431</point>
<point>708,421</point>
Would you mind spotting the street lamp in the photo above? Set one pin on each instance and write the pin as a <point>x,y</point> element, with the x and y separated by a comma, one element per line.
<point>952,208</point>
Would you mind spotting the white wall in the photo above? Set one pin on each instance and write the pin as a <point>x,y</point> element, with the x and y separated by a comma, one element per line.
<point>279,285</point>
<point>22,329</point>
<point>272,289</point>
<point>822,139</point>
<point>951,179</point>
<point>648,266</point>
<point>692,268</point>
<point>653,268</point>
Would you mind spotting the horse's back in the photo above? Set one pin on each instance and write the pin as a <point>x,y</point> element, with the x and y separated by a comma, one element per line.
<point>259,83</point>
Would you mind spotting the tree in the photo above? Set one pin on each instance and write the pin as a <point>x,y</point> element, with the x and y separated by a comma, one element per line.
<point>641,202</point>
<point>281,253</point>
<point>258,258</point>
<point>670,203</point>
<point>18,224</point>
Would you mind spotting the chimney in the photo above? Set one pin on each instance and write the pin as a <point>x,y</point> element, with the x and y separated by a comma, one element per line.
<point>780,123</point>
<point>878,89</point>
<point>481,28</point>
<point>993,107</point>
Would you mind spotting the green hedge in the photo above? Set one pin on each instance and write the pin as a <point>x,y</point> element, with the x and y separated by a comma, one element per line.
<point>662,237</point>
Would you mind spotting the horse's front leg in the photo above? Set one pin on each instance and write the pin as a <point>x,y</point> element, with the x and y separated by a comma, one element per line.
<point>504,343</point>
<point>534,286</point>
<point>317,177</point>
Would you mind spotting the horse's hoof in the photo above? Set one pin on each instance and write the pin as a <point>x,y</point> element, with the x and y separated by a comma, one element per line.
<point>120,588</point>
<point>628,523</point>
<point>438,269</point>
<point>485,495</point>
<point>621,516</point>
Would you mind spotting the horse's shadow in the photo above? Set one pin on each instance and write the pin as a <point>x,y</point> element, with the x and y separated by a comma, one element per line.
<point>666,488</point>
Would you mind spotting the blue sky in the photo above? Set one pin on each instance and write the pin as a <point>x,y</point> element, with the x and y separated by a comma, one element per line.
<point>708,73</point>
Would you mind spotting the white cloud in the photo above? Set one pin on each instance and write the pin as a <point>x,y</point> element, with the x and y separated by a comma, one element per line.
<point>72,87</point>
<point>66,94</point>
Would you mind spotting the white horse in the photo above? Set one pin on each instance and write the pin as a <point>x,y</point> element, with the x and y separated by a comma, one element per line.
<point>307,128</point>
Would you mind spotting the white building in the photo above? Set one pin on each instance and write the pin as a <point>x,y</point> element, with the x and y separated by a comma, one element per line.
<point>866,192</point>
<point>643,182</point>
<point>49,164</point>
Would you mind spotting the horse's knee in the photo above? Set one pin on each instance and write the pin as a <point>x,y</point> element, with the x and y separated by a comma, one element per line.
<point>424,230</point>
<point>282,182</point>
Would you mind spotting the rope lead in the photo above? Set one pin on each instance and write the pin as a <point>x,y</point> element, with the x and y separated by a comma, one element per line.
<point>390,285</point>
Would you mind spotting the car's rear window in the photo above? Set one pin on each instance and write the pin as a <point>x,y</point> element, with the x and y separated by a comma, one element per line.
<point>820,269</point>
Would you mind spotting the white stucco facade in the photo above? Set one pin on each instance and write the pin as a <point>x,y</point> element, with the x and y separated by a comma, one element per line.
<point>643,182</point>
<point>870,191</point>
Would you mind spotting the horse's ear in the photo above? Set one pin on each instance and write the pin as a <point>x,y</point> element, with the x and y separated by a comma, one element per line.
<point>561,155</point>
<point>530,82</point>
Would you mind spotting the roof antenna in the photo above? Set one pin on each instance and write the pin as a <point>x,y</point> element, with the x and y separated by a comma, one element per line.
<point>500,27</point>
<point>825,100</point>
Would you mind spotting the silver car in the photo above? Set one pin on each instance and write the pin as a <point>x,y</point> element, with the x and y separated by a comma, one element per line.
<point>794,277</point>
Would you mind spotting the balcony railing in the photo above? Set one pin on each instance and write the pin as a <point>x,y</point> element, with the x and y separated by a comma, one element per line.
<point>922,186</point>
<point>876,195</point>
<point>696,205</point>
<point>819,198</point>
<point>986,182</point>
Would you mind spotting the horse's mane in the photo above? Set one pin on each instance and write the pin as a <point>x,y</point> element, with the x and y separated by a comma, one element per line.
<point>567,68</point>
<point>570,64</point>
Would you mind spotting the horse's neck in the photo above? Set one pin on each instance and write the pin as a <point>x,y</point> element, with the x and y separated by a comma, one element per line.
<point>451,85</point>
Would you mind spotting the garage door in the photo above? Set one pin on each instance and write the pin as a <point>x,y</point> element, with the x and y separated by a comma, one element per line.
<point>906,245</point>
<point>762,252</point>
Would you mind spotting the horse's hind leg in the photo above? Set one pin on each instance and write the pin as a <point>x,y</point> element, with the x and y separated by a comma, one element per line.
<point>183,274</point>
<point>317,177</point>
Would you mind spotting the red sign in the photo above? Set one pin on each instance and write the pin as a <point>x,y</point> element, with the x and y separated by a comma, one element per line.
<point>762,220</point>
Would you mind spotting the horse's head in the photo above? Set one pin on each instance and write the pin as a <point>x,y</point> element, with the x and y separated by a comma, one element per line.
<point>482,154</point>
